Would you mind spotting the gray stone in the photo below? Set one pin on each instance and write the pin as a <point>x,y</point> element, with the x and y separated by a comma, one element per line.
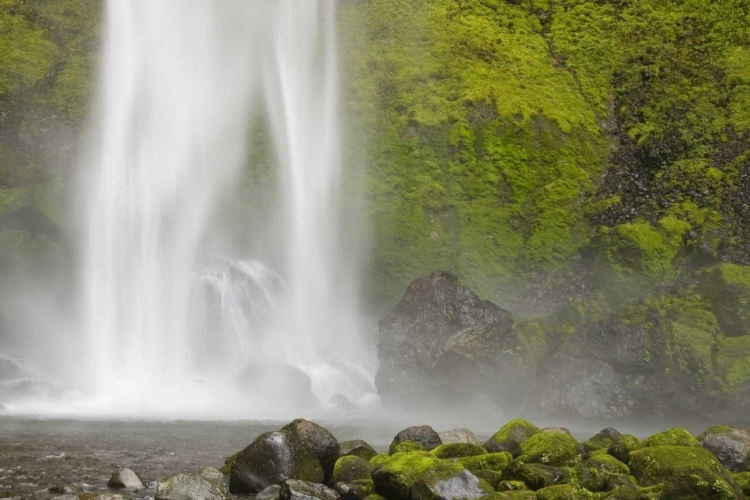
<point>296,489</point>
<point>730,445</point>
<point>459,436</point>
<point>462,485</point>
<point>270,493</point>
<point>190,487</point>
<point>125,478</point>
<point>358,448</point>
<point>422,434</point>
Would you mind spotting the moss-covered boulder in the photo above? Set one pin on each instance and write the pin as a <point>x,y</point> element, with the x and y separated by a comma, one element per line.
<point>672,437</point>
<point>511,495</point>
<point>356,490</point>
<point>625,493</point>
<point>689,473</point>
<point>455,450</point>
<point>595,473</point>
<point>357,448</point>
<point>731,446</point>
<point>551,448</point>
<point>273,458</point>
<point>379,459</point>
<point>622,446</point>
<point>394,476</point>
<point>415,438</point>
<point>743,481</point>
<point>727,287</point>
<point>601,440</point>
<point>536,476</point>
<point>511,435</point>
<point>560,492</point>
<point>486,461</point>
<point>350,468</point>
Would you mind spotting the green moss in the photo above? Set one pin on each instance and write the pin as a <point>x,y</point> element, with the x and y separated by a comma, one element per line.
<point>395,475</point>
<point>428,485</point>
<point>511,495</point>
<point>596,473</point>
<point>599,441</point>
<point>733,361</point>
<point>672,437</point>
<point>563,492</point>
<point>455,450</point>
<point>379,459</point>
<point>551,448</point>
<point>623,446</point>
<point>351,468</point>
<point>743,481</point>
<point>405,446</point>
<point>511,435</point>
<point>689,473</point>
<point>487,461</point>
<point>640,248</point>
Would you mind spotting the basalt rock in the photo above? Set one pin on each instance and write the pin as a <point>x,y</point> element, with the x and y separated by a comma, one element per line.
<point>442,341</point>
<point>422,435</point>
<point>320,440</point>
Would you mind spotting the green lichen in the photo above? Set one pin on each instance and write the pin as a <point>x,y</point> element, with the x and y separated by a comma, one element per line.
<point>549,448</point>
<point>622,446</point>
<point>599,441</point>
<point>405,446</point>
<point>563,492</point>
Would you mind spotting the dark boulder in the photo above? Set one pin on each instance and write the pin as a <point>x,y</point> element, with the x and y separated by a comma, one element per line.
<point>601,440</point>
<point>423,435</point>
<point>320,440</point>
<point>730,445</point>
<point>273,458</point>
<point>357,448</point>
<point>356,490</point>
<point>297,489</point>
<point>351,468</point>
<point>441,342</point>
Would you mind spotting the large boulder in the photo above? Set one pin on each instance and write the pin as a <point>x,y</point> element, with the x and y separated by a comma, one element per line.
<point>510,436</point>
<point>459,436</point>
<point>320,440</point>
<point>442,341</point>
<point>351,468</point>
<point>730,445</point>
<point>273,458</point>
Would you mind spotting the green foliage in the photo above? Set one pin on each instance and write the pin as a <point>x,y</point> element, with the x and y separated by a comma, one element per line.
<point>733,361</point>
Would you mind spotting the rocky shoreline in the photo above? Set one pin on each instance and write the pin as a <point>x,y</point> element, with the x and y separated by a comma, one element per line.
<point>304,461</point>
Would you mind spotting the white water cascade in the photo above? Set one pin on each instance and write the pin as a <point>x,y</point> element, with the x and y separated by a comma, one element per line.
<point>165,328</point>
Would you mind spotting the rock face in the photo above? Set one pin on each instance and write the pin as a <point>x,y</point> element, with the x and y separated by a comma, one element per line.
<point>730,445</point>
<point>273,458</point>
<point>443,341</point>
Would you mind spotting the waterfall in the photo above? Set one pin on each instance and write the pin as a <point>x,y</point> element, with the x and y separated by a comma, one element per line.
<point>166,326</point>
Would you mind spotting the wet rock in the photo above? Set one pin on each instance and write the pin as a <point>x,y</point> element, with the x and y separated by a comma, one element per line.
<point>550,448</point>
<point>727,288</point>
<point>270,493</point>
<point>319,440</point>
<point>488,461</point>
<point>595,473</point>
<point>64,489</point>
<point>560,492</point>
<point>730,445</point>
<point>125,478</point>
<point>297,489</point>
<point>535,476</point>
<point>350,468</point>
<point>423,435</point>
<point>190,487</point>
<point>459,436</point>
<point>395,475</point>
<point>357,448</point>
<point>273,458</point>
<point>439,485</point>
<point>510,436</point>
<point>442,342</point>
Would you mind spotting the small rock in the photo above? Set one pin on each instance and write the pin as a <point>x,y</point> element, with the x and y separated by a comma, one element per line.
<point>125,478</point>
<point>459,436</point>
<point>296,489</point>
<point>190,487</point>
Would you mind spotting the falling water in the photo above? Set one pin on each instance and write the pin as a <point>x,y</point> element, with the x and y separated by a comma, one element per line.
<point>165,326</point>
